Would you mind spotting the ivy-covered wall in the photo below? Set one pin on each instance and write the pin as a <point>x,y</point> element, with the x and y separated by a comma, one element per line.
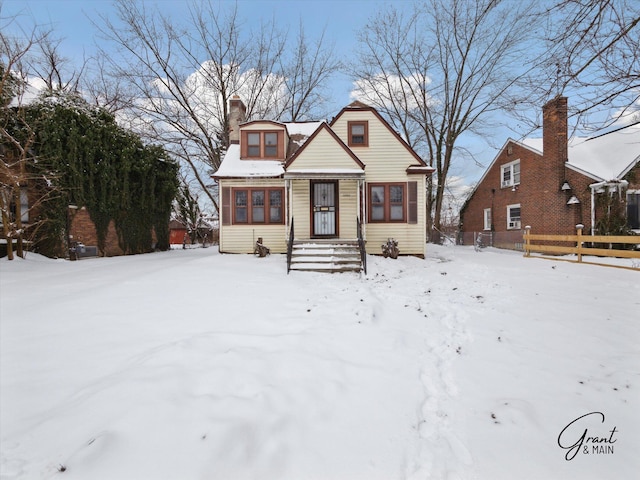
<point>91,162</point>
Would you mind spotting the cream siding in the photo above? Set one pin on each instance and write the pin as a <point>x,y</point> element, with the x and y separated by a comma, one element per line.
<point>242,238</point>
<point>386,161</point>
<point>412,238</point>
<point>348,208</point>
<point>323,153</point>
<point>301,208</point>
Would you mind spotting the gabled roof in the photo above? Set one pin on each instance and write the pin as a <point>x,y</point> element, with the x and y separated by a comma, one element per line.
<point>495,159</point>
<point>359,106</point>
<point>299,133</point>
<point>325,127</point>
<point>607,156</point>
<point>273,122</point>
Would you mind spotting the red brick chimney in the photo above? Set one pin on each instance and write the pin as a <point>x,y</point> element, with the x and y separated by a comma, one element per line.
<point>237,115</point>
<point>554,134</point>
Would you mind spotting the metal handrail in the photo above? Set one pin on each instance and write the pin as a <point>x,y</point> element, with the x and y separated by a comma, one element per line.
<point>290,247</point>
<point>363,251</point>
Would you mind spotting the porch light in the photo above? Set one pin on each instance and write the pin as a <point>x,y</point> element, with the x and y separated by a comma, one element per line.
<point>565,186</point>
<point>573,200</point>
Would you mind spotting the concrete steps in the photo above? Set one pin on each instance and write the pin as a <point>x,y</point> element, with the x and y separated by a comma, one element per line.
<point>329,256</point>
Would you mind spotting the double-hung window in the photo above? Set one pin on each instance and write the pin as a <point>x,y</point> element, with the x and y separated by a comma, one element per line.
<point>358,134</point>
<point>262,144</point>
<point>257,205</point>
<point>513,217</point>
<point>387,202</point>
<point>487,219</point>
<point>24,207</point>
<point>253,144</point>
<point>633,209</point>
<point>270,144</point>
<point>510,174</point>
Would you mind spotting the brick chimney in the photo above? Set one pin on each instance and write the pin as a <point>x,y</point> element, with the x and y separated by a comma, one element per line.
<point>237,115</point>
<point>554,133</point>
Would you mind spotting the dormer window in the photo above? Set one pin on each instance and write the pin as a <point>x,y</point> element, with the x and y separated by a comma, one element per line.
<point>261,144</point>
<point>358,134</point>
<point>253,144</point>
<point>271,144</point>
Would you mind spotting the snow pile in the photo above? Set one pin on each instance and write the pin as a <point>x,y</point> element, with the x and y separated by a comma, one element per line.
<point>189,364</point>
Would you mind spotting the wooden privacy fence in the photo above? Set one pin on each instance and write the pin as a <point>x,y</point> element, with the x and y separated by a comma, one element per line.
<point>557,244</point>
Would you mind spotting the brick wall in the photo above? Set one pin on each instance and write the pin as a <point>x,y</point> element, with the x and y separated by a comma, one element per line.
<point>83,230</point>
<point>542,201</point>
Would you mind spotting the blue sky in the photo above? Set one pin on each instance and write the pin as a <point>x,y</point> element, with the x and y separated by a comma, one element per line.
<point>341,20</point>
<point>70,20</point>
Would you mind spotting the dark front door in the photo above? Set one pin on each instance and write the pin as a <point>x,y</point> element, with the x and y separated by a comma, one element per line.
<point>323,198</point>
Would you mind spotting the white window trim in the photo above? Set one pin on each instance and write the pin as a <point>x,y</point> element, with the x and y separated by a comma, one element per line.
<point>513,224</point>
<point>487,219</point>
<point>508,166</point>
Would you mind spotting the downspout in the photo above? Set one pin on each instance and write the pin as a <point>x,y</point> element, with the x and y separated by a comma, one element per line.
<point>287,186</point>
<point>593,208</point>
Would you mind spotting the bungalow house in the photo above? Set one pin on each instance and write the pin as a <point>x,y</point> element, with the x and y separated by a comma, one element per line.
<point>552,184</point>
<point>319,184</point>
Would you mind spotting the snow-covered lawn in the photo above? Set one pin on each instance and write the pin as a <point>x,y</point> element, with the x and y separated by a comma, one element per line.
<point>194,365</point>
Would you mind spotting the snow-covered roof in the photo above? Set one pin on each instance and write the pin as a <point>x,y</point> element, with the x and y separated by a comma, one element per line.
<point>233,166</point>
<point>302,128</point>
<point>607,156</point>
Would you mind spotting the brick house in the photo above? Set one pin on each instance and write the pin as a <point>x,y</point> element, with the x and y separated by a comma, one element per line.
<point>82,230</point>
<point>552,184</point>
<point>349,178</point>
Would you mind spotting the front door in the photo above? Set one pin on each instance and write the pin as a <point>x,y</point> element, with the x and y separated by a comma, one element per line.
<point>323,199</point>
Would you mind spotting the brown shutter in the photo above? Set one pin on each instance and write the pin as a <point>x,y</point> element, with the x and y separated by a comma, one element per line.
<point>413,202</point>
<point>226,206</point>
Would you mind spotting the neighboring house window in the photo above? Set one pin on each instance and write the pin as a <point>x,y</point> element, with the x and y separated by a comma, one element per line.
<point>510,174</point>
<point>24,207</point>
<point>358,134</point>
<point>262,145</point>
<point>487,219</point>
<point>387,202</point>
<point>633,209</point>
<point>513,217</point>
<point>257,205</point>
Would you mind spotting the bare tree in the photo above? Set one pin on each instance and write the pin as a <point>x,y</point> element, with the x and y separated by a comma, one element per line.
<point>47,63</point>
<point>182,76</point>
<point>593,52</point>
<point>441,72</point>
<point>17,137</point>
<point>306,71</point>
